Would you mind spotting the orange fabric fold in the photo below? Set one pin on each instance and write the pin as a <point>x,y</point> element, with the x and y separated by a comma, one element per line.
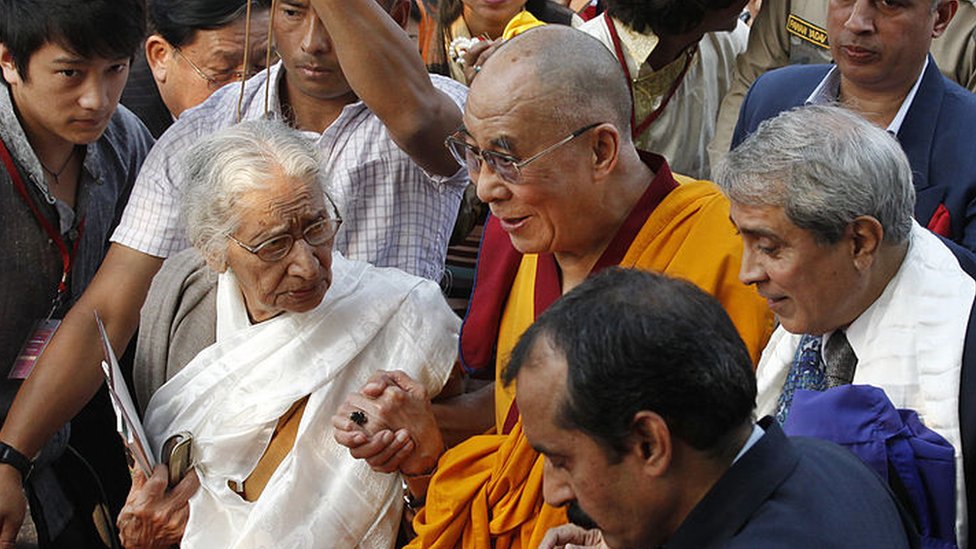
<point>488,490</point>
<point>282,441</point>
<point>688,236</point>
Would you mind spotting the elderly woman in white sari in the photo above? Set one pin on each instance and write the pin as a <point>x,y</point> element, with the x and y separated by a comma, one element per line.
<point>289,327</point>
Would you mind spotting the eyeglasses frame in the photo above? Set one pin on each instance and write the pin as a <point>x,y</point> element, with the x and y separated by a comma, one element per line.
<point>516,163</point>
<point>237,76</point>
<point>255,249</point>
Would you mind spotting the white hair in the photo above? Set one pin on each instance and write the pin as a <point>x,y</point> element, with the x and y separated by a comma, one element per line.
<point>223,168</point>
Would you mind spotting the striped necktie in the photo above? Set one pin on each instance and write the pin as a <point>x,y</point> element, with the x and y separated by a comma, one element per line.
<point>840,358</point>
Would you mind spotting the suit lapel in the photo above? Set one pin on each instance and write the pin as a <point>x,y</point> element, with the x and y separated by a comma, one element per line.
<point>917,133</point>
<point>727,507</point>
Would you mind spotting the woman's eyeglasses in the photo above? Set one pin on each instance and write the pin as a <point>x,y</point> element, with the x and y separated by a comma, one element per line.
<point>319,233</point>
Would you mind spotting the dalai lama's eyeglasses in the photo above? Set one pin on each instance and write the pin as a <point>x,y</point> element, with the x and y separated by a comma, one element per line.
<point>505,166</point>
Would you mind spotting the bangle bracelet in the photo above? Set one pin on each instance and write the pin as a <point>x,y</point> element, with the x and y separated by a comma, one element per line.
<point>409,499</point>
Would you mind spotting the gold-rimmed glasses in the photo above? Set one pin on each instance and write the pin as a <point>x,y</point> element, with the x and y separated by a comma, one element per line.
<point>318,233</point>
<point>218,80</point>
<point>506,166</point>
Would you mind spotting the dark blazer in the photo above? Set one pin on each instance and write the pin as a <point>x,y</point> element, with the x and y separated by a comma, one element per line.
<point>936,136</point>
<point>797,493</point>
<point>967,390</point>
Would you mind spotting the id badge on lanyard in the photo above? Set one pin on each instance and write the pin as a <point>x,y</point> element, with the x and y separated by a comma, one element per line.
<point>44,329</point>
<point>40,336</point>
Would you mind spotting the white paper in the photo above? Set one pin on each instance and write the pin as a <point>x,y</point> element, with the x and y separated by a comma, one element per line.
<point>128,424</point>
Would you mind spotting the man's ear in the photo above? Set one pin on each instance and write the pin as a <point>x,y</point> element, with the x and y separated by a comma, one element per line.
<point>606,150</point>
<point>8,65</point>
<point>652,442</point>
<point>866,235</point>
<point>400,12</point>
<point>944,14</point>
<point>158,54</point>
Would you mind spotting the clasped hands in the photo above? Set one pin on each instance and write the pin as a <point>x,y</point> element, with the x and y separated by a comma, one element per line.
<point>396,430</point>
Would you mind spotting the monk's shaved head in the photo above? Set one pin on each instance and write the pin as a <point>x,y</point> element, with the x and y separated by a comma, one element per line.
<point>578,76</point>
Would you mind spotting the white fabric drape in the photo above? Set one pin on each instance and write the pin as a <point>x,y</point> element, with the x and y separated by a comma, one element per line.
<point>909,342</point>
<point>232,394</point>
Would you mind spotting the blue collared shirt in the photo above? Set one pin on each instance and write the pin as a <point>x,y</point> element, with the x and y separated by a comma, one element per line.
<point>757,433</point>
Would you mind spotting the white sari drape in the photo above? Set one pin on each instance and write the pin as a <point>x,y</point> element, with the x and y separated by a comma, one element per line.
<point>232,394</point>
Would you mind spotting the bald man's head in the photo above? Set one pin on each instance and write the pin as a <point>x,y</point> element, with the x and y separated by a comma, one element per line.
<point>577,75</point>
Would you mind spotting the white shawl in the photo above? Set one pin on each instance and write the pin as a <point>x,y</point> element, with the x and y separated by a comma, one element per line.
<point>231,396</point>
<point>909,342</point>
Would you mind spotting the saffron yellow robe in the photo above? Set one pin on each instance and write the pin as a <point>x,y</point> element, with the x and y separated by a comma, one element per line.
<point>487,491</point>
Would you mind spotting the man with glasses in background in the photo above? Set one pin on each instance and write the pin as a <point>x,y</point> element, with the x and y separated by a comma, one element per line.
<point>883,71</point>
<point>569,195</point>
<point>195,47</point>
<point>352,81</point>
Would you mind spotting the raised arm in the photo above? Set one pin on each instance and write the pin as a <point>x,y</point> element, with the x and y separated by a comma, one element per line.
<point>67,375</point>
<point>384,68</point>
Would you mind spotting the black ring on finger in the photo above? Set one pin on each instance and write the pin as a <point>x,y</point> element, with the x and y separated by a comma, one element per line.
<point>358,417</point>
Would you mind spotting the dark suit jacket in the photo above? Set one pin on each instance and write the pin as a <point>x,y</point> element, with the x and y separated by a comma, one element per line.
<point>967,391</point>
<point>797,493</point>
<point>937,137</point>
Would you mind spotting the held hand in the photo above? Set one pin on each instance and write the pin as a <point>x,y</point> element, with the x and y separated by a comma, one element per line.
<point>570,536</point>
<point>399,431</point>
<point>384,451</point>
<point>368,438</point>
<point>13,506</point>
<point>153,517</point>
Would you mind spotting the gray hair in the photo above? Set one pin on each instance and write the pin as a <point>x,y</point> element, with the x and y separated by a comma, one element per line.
<point>825,166</point>
<point>223,168</point>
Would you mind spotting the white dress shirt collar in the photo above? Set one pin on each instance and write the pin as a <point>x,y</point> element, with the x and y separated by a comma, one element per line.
<point>828,91</point>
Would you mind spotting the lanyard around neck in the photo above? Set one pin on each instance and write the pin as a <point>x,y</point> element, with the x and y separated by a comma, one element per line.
<point>67,256</point>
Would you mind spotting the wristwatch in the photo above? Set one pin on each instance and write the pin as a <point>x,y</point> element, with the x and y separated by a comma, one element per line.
<point>10,456</point>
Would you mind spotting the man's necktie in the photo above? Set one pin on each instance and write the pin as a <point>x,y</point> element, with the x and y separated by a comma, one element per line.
<point>841,360</point>
<point>806,372</point>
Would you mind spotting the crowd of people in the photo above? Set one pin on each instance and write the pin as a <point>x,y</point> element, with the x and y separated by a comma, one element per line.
<point>722,296</point>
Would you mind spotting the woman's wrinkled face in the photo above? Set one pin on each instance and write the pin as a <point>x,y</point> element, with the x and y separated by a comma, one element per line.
<point>297,282</point>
